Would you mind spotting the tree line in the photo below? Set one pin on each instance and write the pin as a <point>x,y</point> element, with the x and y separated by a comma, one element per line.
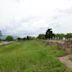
<point>11,38</point>
<point>48,35</point>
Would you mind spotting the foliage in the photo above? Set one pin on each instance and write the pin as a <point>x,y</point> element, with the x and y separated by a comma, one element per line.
<point>25,38</point>
<point>49,34</point>
<point>68,35</point>
<point>0,33</point>
<point>60,35</point>
<point>41,36</point>
<point>9,38</point>
<point>0,39</point>
<point>28,38</point>
<point>19,38</point>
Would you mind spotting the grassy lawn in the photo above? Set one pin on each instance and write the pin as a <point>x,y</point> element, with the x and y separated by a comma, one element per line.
<point>31,56</point>
<point>0,43</point>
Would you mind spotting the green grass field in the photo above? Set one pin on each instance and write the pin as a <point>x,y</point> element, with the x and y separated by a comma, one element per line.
<point>31,56</point>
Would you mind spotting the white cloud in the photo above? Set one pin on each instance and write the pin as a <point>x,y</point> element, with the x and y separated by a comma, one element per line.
<point>35,16</point>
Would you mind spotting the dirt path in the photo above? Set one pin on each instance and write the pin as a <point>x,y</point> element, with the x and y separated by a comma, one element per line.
<point>66,61</point>
<point>5,43</point>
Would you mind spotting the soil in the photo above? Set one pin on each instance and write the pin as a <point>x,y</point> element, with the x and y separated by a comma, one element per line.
<point>66,61</point>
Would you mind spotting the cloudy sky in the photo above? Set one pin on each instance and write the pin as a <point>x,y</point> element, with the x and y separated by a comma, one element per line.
<point>31,17</point>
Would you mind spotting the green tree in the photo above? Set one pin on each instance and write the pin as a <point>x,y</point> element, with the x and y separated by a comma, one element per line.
<point>41,36</point>
<point>59,36</point>
<point>0,36</point>
<point>0,39</point>
<point>19,38</point>
<point>68,35</point>
<point>9,38</point>
<point>49,34</point>
<point>0,33</point>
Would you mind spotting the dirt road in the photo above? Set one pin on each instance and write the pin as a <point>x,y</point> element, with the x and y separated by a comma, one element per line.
<point>66,61</point>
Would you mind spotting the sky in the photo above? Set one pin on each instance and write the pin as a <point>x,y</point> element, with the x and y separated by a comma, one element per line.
<point>31,17</point>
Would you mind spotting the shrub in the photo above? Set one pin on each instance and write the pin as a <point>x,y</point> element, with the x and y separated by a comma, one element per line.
<point>41,36</point>
<point>9,38</point>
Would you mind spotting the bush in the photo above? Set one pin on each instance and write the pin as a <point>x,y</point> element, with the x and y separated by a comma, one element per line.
<point>0,39</point>
<point>9,38</point>
<point>68,35</point>
<point>29,38</point>
<point>19,38</point>
<point>25,38</point>
<point>41,36</point>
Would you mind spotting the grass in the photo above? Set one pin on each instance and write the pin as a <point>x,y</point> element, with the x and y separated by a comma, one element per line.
<point>1,43</point>
<point>31,56</point>
<point>70,57</point>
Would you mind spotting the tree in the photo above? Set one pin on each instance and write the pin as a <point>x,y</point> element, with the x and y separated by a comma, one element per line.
<point>41,36</point>
<point>0,36</point>
<point>9,38</point>
<point>68,35</point>
<point>49,34</point>
<point>19,38</point>
<point>0,33</point>
<point>24,38</point>
<point>59,36</point>
<point>28,37</point>
<point>0,39</point>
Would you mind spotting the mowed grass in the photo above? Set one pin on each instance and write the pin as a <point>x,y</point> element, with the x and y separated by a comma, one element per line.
<point>31,56</point>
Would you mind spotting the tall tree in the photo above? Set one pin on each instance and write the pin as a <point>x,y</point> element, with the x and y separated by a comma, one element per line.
<point>49,34</point>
